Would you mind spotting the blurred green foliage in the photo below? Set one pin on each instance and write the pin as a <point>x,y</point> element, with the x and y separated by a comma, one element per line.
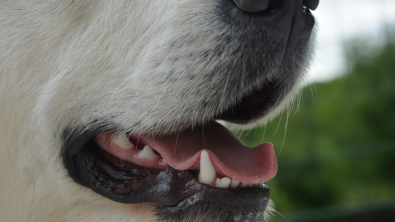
<point>339,147</point>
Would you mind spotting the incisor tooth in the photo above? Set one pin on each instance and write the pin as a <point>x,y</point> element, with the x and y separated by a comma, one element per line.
<point>207,172</point>
<point>223,183</point>
<point>162,161</point>
<point>147,153</point>
<point>244,185</point>
<point>234,183</point>
<point>122,140</point>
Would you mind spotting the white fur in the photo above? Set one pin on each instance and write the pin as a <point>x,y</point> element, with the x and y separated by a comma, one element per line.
<point>69,63</point>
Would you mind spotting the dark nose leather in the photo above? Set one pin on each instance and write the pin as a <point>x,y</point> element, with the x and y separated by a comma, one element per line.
<point>252,5</point>
<point>262,5</point>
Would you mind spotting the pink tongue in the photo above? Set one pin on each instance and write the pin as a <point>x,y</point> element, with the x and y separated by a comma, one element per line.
<point>229,155</point>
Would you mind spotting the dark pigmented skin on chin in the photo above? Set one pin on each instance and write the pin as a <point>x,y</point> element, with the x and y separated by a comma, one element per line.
<point>176,193</point>
<point>128,183</point>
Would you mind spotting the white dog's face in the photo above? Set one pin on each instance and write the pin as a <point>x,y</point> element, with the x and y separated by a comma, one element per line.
<point>122,97</point>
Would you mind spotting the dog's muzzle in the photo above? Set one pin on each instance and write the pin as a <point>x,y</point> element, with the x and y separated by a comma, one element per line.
<point>205,169</point>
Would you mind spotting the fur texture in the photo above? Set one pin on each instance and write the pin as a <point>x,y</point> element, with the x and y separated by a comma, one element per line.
<point>145,66</point>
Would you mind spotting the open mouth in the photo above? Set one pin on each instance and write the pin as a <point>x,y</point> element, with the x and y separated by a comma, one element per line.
<point>218,158</point>
<point>206,166</point>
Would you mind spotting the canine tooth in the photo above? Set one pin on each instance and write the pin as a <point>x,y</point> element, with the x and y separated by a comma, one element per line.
<point>223,183</point>
<point>234,183</point>
<point>122,140</point>
<point>207,172</point>
<point>147,153</point>
<point>244,185</point>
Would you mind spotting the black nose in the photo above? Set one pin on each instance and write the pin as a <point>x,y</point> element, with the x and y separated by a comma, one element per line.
<point>262,5</point>
<point>252,5</point>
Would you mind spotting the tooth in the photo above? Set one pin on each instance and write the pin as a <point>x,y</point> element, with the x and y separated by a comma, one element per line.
<point>234,183</point>
<point>147,153</point>
<point>244,185</point>
<point>207,172</point>
<point>223,183</point>
<point>122,140</point>
<point>163,161</point>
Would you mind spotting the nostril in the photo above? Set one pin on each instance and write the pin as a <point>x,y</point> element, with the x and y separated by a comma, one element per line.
<point>252,5</point>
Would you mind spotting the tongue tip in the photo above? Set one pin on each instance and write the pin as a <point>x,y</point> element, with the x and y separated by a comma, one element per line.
<point>265,165</point>
<point>261,169</point>
<point>271,161</point>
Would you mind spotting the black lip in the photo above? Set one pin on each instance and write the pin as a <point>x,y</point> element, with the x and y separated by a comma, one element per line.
<point>255,105</point>
<point>175,192</point>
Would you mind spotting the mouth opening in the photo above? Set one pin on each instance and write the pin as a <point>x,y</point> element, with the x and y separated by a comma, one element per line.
<point>200,166</point>
<point>220,159</point>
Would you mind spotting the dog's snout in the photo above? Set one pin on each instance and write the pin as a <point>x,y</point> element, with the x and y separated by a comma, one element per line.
<point>252,5</point>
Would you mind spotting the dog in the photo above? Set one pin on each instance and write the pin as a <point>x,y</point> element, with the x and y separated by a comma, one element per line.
<point>111,110</point>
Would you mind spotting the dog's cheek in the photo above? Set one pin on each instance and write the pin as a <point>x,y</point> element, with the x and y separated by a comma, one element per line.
<point>111,211</point>
<point>125,73</point>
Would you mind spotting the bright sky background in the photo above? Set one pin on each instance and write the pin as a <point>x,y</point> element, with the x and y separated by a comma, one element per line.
<point>341,20</point>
